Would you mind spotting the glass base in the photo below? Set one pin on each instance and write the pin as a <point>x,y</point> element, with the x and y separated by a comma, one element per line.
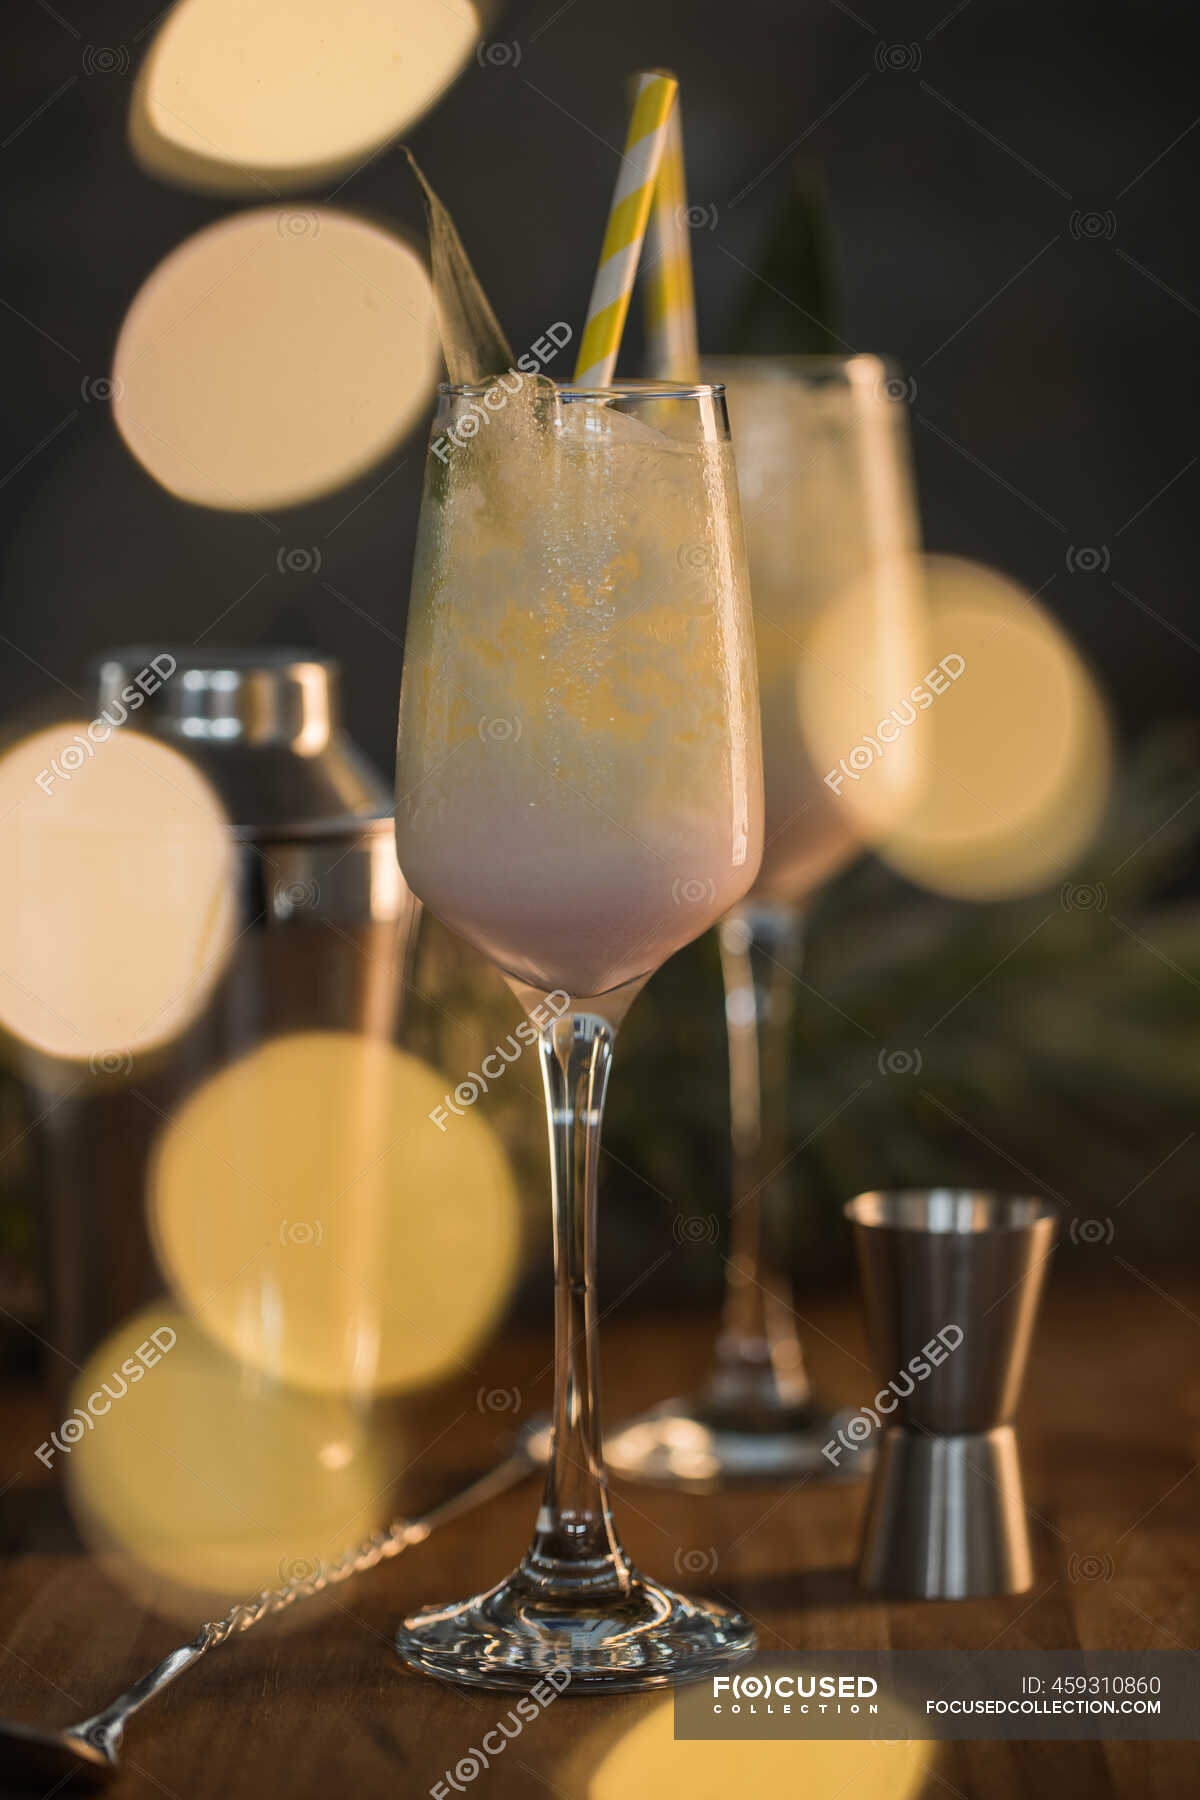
<point>638,1635</point>
<point>689,1444</point>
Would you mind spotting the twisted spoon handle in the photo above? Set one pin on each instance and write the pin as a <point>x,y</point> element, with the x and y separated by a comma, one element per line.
<point>105,1728</point>
<point>355,1561</point>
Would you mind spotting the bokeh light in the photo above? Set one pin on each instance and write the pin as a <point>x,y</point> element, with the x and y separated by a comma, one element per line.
<point>275,356</point>
<point>117,908</point>
<point>864,653</point>
<point>244,99</point>
<point>647,1762</point>
<point>191,1473</point>
<point>322,1226</point>
<point>986,773</point>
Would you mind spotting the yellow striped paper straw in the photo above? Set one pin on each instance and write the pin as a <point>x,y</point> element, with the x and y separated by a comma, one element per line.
<point>672,351</point>
<point>627,219</point>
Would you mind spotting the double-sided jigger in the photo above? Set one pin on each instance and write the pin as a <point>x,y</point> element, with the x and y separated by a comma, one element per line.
<point>951,1280</point>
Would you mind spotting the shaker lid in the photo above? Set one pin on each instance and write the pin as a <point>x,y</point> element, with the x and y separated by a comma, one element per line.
<point>263,724</point>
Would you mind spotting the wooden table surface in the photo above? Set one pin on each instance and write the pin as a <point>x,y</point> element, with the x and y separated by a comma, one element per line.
<point>320,1705</point>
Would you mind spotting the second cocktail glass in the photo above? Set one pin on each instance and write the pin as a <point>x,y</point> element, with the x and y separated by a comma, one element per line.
<point>579,794</point>
<point>831,523</point>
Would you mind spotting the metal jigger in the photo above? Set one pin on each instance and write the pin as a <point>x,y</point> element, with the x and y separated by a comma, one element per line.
<point>951,1280</point>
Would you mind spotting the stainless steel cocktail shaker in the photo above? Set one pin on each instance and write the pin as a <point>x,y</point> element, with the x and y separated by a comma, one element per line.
<point>323,924</point>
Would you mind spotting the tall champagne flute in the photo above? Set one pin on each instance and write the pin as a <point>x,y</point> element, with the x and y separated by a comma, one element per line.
<point>579,793</point>
<point>829,513</point>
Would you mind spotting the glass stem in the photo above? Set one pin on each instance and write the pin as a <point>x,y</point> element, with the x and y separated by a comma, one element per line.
<point>575,1549</point>
<point>759,1366</point>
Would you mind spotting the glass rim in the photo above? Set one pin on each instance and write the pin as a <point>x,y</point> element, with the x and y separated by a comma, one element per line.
<point>800,360</point>
<point>631,388</point>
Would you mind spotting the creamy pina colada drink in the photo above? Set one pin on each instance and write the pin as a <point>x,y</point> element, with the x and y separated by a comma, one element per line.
<point>828,509</point>
<point>579,793</point>
<point>578,774</point>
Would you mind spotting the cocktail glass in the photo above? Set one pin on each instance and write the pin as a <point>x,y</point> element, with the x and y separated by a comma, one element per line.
<point>578,794</point>
<point>830,521</point>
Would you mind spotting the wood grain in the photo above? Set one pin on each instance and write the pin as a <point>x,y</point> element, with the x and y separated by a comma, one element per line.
<point>320,1705</point>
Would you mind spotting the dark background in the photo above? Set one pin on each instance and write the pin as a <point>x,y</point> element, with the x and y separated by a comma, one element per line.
<point>1054,369</point>
<point>1011,196</point>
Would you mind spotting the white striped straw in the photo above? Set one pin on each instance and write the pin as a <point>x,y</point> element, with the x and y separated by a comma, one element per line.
<point>627,218</point>
<point>672,351</point>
